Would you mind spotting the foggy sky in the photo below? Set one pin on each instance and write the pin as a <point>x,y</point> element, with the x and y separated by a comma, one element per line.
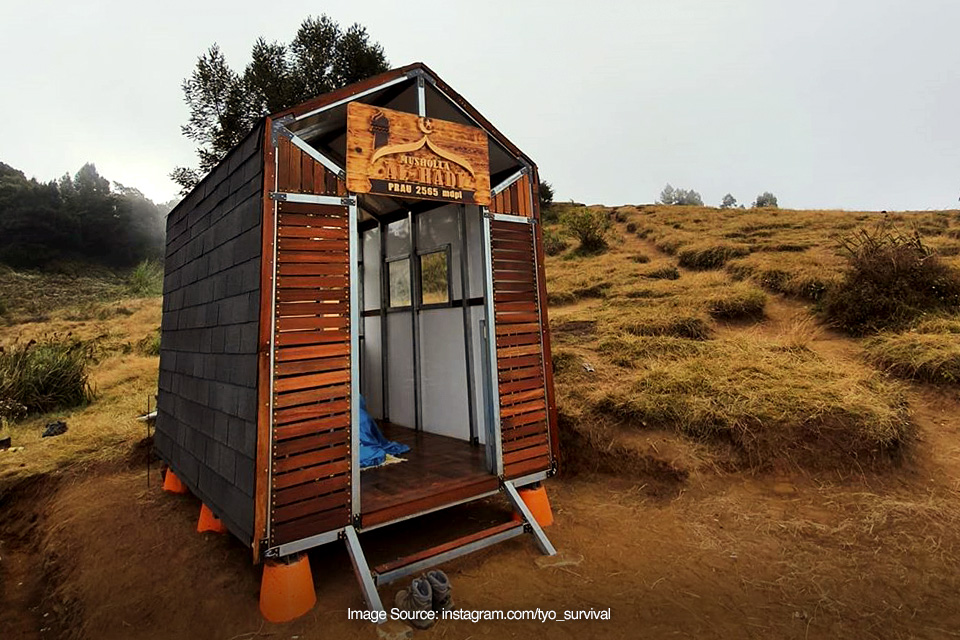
<point>852,104</point>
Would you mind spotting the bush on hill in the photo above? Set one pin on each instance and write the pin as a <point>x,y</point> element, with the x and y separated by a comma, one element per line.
<point>892,278</point>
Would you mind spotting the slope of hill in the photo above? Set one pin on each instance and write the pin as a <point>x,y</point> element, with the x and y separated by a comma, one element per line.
<point>702,323</point>
<point>733,466</point>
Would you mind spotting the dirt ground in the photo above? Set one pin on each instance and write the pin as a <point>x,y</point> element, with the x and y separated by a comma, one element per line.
<point>678,550</point>
<point>98,554</point>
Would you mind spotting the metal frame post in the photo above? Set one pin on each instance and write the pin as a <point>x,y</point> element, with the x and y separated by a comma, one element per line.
<point>421,97</point>
<point>273,345</point>
<point>384,333</point>
<point>415,294</point>
<point>542,541</point>
<point>353,212</point>
<point>490,334</point>
<point>360,567</point>
<point>467,329</point>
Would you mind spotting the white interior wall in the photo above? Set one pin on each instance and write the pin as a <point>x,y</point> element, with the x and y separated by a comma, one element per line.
<point>372,375</point>
<point>443,381</point>
<point>443,373</point>
<point>400,368</point>
<point>372,367</point>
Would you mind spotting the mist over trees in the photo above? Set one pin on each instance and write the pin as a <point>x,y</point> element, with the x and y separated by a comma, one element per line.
<point>672,196</point>
<point>765,199</point>
<point>77,218</point>
<point>224,104</point>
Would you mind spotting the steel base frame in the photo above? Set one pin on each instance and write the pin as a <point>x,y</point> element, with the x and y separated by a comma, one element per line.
<point>368,580</point>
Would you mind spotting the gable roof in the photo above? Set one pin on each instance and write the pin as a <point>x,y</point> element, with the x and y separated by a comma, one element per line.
<point>391,78</point>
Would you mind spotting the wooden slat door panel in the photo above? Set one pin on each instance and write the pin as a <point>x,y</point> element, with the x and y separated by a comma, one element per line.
<point>310,466</point>
<point>524,431</point>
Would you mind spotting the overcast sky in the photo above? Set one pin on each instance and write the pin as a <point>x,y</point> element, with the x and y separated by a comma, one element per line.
<point>847,104</point>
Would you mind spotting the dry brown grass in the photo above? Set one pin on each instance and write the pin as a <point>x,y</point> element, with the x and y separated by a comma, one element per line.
<point>32,296</point>
<point>774,403</point>
<point>929,352</point>
<point>122,377</point>
<point>663,360</point>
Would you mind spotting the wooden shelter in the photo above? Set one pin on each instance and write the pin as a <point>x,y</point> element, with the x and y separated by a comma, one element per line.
<point>382,240</point>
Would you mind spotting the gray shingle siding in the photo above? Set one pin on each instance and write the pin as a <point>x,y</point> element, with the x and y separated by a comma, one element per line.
<point>207,404</point>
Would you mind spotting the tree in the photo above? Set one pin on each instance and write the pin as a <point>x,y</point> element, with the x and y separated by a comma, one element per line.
<point>672,196</point>
<point>765,199</point>
<point>224,104</point>
<point>688,197</point>
<point>668,195</point>
<point>546,195</point>
<point>78,217</point>
<point>728,202</point>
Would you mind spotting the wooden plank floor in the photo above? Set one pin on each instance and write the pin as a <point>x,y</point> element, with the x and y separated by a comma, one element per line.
<point>439,470</point>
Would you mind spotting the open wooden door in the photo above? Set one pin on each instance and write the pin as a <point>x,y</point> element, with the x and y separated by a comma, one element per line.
<point>311,466</point>
<point>520,368</point>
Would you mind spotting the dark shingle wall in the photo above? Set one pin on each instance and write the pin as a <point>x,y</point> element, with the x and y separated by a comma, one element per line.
<point>207,404</point>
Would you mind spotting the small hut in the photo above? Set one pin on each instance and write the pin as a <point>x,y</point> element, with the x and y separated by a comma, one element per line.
<point>375,251</point>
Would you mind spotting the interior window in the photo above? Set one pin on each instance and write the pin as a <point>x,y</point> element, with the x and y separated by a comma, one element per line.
<point>399,289</point>
<point>434,278</point>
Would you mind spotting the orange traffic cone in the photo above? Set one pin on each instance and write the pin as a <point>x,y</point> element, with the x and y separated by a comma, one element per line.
<point>172,483</point>
<point>539,504</point>
<point>209,522</point>
<point>286,590</point>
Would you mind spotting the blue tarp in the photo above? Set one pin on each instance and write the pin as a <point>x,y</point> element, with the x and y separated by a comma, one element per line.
<point>374,447</point>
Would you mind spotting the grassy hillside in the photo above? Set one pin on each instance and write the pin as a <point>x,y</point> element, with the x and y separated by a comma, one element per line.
<point>100,321</point>
<point>761,472</point>
<point>705,324</point>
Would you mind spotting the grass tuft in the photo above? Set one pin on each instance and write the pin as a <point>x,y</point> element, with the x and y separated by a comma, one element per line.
<point>711,256</point>
<point>679,326</point>
<point>147,279</point>
<point>738,303</point>
<point>663,273</point>
<point>771,404</point>
<point>929,352</point>
<point>44,375</point>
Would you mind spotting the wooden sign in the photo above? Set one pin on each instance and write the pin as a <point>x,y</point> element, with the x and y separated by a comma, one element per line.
<point>399,154</point>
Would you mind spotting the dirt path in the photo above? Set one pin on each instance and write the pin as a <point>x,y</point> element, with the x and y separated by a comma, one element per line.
<point>785,557</point>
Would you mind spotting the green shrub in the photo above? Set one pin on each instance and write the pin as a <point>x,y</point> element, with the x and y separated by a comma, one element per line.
<point>589,226</point>
<point>711,256</point>
<point>640,258</point>
<point>147,279</point>
<point>553,242</point>
<point>664,273</point>
<point>45,375</point>
<point>891,279</point>
<point>631,227</point>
